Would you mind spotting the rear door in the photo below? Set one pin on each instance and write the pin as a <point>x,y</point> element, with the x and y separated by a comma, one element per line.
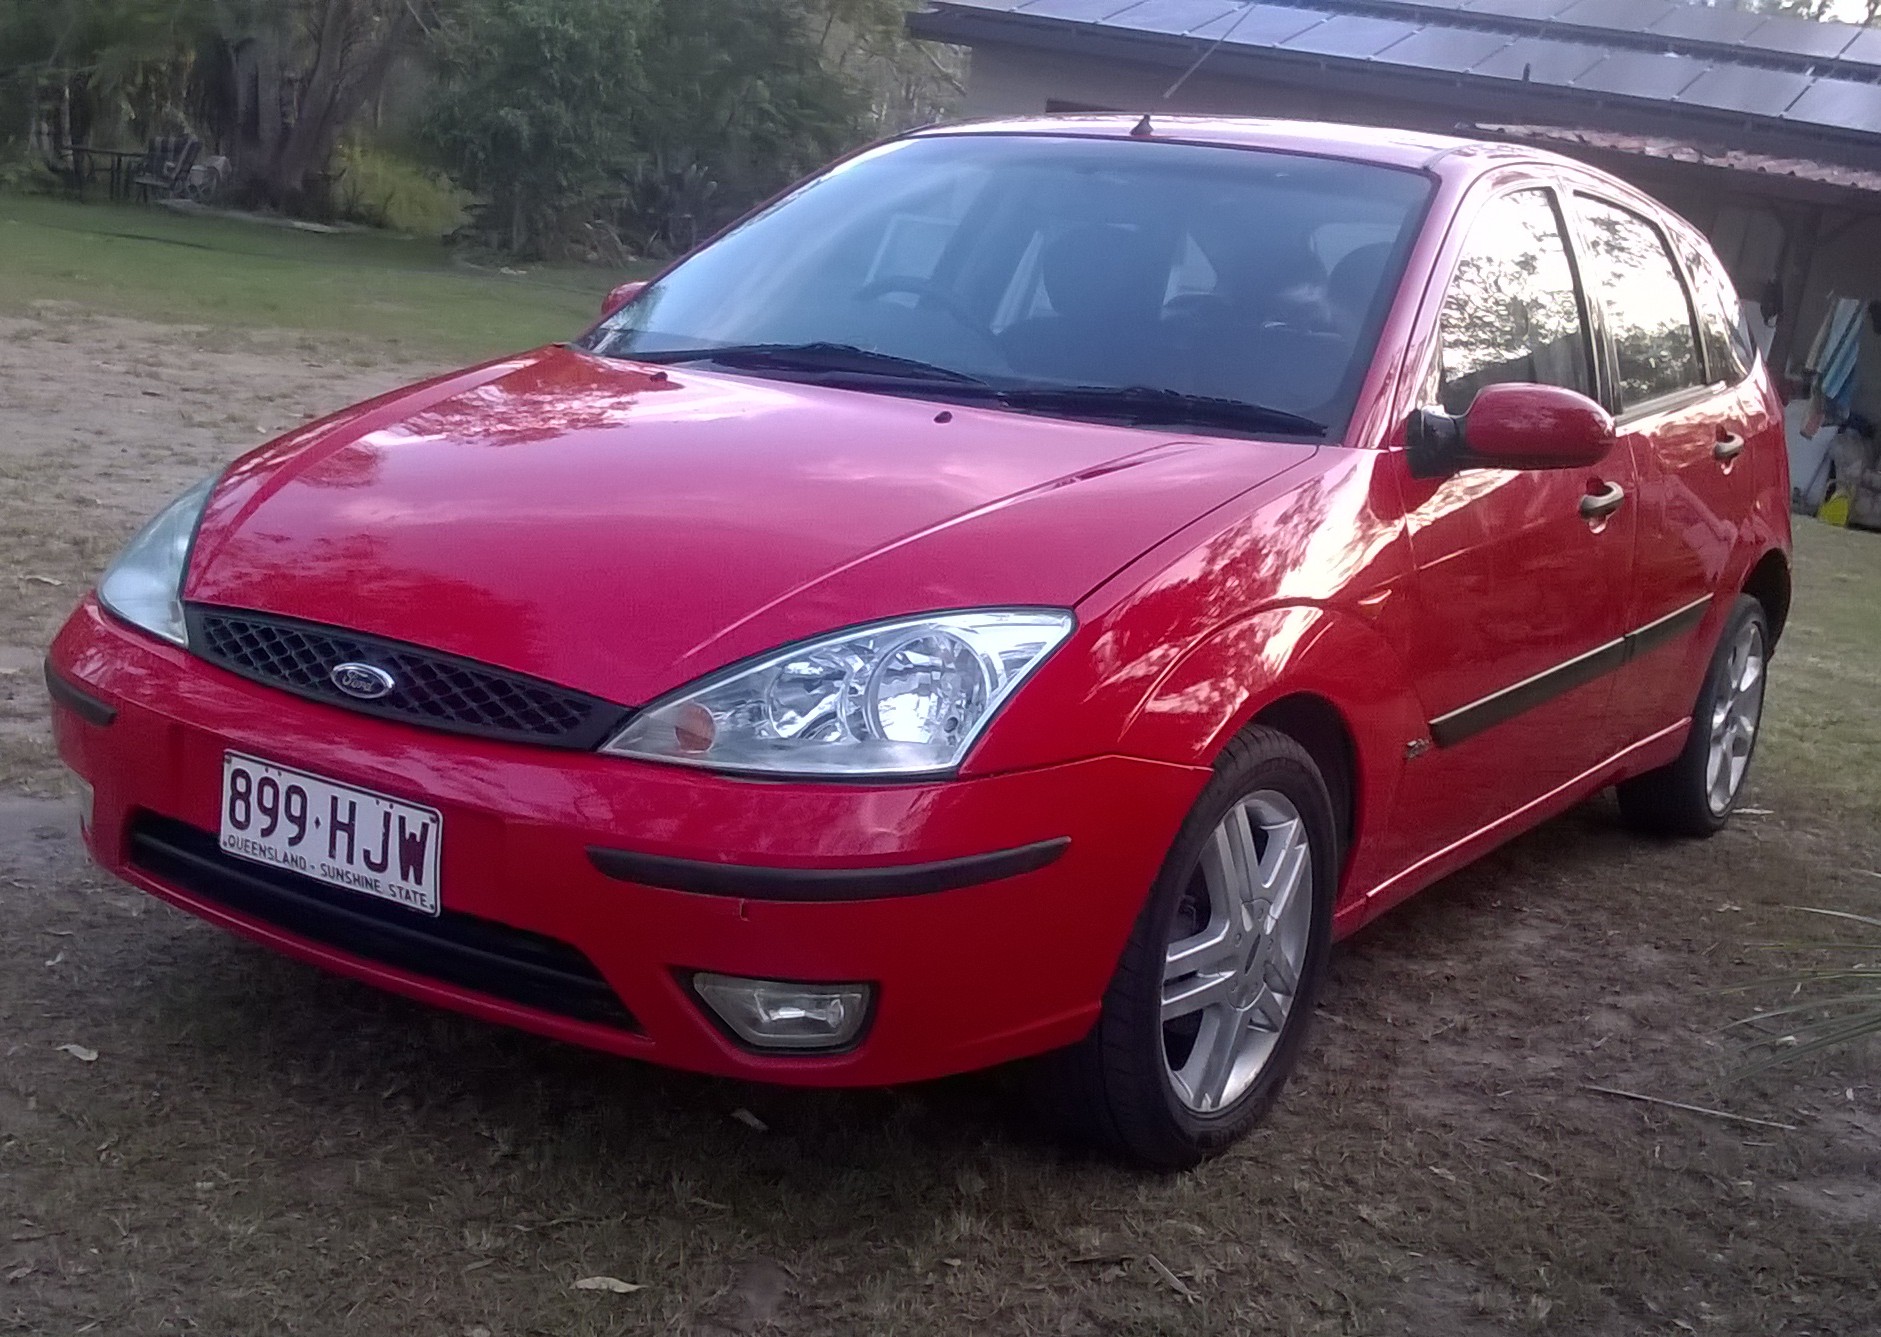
<point>1686,409</point>
<point>1521,590</point>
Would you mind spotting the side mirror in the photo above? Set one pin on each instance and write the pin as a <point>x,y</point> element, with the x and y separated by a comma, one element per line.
<point>1513,426</point>
<point>620,296</point>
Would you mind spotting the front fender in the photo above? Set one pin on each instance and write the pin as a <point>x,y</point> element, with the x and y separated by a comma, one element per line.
<point>1226,680</point>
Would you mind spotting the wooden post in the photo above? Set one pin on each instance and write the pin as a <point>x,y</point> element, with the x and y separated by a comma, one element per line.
<point>1802,226</point>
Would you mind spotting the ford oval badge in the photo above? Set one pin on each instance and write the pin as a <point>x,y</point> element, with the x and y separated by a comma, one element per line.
<point>364,682</point>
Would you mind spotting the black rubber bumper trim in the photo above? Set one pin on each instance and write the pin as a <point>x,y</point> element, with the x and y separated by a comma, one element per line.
<point>87,707</point>
<point>824,884</point>
<point>460,950</point>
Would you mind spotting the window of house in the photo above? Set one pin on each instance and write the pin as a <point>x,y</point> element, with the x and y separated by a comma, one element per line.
<point>1512,313</point>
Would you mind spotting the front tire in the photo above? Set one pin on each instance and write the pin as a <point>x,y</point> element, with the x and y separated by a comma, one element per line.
<point>1694,795</point>
<point>1210,1004</point>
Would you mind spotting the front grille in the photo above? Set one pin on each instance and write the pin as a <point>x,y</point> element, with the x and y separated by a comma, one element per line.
<point>436,690</point>
<point>454,948</point>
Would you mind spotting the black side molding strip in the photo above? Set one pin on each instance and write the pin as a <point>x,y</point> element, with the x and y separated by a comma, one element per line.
<point>1500,707</point>
<point>87,707</point>
<point>824,884</point>
<point>1667,629</point>
<point>1449,730</point>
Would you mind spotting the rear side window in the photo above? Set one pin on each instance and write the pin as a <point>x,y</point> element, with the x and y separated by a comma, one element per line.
<point>1648,315</point>
<point>1728,345</point>
<point>1512,312</point>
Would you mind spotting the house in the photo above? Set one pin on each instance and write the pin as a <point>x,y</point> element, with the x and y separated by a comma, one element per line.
<point>1765,131</point>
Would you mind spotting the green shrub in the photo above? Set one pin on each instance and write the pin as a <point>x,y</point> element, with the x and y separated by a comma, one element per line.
<point>385,190</point>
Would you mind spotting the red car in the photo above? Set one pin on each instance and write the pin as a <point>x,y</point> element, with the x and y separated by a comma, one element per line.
<point>1023,593</point>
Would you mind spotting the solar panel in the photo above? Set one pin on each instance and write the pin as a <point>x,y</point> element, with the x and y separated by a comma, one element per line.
<point>1642,74</point>
<point>1265,25</point>
<point>1519,9</point>
<point>1452,50</point>
<point>1353,36</point>
<point>1803,39</point>
<point>1542,60</point>
<point>1745,88</point>
<point>1084,11</point>
<point>1170,16</point>
<point>1628,16</point>
<point>1865,49</point>
<point>1704,23</point>
<point>1840,103</point>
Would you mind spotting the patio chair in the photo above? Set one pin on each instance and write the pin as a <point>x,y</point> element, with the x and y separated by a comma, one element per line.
<point>166,165</point>
<point>207,178</point>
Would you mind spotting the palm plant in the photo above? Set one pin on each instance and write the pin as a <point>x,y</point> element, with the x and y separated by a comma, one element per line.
<point>1813,1022</point>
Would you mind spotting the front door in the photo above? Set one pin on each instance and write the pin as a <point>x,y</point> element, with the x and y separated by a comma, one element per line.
<point>1522,575</point>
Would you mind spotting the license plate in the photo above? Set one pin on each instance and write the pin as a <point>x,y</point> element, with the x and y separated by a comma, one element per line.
<point>338,834</point>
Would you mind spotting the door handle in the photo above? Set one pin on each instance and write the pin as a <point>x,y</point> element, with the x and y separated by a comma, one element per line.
<point>1730,446</point>
<point>1599,505</point>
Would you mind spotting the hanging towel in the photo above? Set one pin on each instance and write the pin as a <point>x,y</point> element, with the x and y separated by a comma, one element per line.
<point>1836,371</point>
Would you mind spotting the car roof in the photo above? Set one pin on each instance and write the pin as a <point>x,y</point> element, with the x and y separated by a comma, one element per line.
<point>1442,154</point>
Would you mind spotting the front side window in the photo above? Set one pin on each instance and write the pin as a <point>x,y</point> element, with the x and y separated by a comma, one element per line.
<point>1045,271</point>
<point>1512,313</point>
<point>1648,316</point>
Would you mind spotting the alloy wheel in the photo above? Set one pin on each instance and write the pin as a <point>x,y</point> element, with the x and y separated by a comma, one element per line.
<point>1237,951</point>
<point>1736,712</point>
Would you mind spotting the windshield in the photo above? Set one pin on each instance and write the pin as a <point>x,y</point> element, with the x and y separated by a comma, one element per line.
<point>1043,272</point>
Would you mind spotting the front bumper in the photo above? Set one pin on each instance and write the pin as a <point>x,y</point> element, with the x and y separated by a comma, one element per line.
<point>649,872</point>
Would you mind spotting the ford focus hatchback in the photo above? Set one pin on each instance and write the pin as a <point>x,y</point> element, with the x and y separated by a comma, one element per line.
<point>1022,595</point>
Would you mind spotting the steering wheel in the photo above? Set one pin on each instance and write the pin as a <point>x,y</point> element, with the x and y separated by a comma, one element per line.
<point>941,297</point>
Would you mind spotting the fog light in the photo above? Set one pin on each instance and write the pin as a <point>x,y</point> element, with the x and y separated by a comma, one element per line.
<point>773,1014</point>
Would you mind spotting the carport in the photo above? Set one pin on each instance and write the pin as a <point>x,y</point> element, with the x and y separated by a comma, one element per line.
<point>1764,130</point>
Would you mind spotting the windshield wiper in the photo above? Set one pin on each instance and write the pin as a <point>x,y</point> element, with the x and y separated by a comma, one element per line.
<point>1149,405</point>
<point>816,359</point>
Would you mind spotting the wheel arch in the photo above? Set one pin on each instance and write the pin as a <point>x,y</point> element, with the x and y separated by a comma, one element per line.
<point>1316,724</point>
<point>1769,584</point>
<point>1325,678</point>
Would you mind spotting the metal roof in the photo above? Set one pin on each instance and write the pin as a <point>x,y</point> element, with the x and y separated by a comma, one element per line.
<point>1790,74</point>
<point>1697,155</point>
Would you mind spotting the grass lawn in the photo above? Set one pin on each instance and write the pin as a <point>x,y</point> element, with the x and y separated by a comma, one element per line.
<point>406,297</point>
<point>1822,733</point>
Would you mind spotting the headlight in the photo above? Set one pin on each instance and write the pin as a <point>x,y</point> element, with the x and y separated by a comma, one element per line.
<point>899,698</point>
<point>144,583</point>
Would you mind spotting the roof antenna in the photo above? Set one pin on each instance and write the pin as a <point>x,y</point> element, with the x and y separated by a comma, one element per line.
<point>1203,58</point>
<point>1144,129</point>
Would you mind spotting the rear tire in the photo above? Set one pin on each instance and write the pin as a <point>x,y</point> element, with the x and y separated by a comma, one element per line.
<point>1212,999</point>
<point>1694,795</point>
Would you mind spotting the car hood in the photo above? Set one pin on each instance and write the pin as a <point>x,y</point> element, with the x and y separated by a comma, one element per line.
<point>621,530</point>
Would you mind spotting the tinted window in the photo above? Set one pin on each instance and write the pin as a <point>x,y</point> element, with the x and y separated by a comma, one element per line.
<point>1728,345</point>
<point>1037,261</point>
<point>1512,313</point>
<point>1648,316</point>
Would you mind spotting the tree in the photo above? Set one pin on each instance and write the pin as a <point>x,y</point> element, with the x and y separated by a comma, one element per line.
<point>72,66</point>
<point>739,103</point>
<point>289,76</point>
<point>908,83</point>
<point>1842,11</point>
<point>536,107</point>
<point>665,117</point>
<point>270,83</point>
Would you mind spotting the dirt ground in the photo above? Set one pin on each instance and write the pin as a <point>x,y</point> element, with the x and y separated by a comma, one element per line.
<point>259,1148</point>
